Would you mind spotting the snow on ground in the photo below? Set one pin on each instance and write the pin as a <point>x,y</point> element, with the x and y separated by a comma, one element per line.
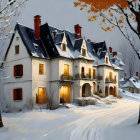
<point>94,122</point>
<point>129,95</point>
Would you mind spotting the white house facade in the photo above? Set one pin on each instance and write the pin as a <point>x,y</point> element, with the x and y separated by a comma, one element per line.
<point>47,66</point>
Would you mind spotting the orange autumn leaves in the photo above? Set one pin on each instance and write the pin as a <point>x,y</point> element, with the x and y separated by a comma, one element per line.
<point>100,6</point>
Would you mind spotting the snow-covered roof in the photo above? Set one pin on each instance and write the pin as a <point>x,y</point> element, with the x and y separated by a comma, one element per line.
<point>50,43</point>
<point>131,82</point>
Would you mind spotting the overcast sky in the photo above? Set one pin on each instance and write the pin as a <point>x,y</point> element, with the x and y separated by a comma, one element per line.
<point>63,15</point>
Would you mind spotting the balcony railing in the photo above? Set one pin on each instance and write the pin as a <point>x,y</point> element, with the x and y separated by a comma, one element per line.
<point>110,80</point>
<point>87,76</point>
<point>66,77</point>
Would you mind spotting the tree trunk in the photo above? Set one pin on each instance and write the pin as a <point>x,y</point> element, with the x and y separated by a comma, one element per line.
<point>139,116</point>
<point>1,123</point>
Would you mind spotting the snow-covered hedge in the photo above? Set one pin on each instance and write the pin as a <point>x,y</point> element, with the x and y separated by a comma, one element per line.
<point>95,100</point>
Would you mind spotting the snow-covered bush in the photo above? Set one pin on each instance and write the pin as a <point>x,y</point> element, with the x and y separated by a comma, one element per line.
<point>96,100</point>
<point>83,101</point>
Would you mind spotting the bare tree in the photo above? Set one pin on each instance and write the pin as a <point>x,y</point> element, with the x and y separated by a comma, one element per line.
<point>131,65</point>
<point>130,59</point>
<point>122,14</point>
<point>9,10</point>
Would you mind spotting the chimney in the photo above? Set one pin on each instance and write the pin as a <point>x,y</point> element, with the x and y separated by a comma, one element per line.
<point>78,31</point>
<point>115,54</point>
<point>37,23</point>
<point>89,40</point>
<point>125,76</point>
<point>110,49</point>
<point>137,74</point>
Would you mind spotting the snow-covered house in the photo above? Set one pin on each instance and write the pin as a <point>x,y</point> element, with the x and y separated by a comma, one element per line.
<point>131,84</point>
<point>116,58</point>
<point>46,64</point>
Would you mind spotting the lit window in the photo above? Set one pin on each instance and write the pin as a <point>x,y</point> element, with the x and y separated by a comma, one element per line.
<point>89,71</point>
<point>83,52</point>
<point>17,49</point>
<point>64,47</point>
<point>106,60</point>
<point>94,73</point>
<point>110,75</point>
<point>41,68</point>
<point>66,69</point>
<point>41,96</point>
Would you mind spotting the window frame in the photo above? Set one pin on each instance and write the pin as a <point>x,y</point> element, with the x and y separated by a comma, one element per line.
<point>66,71</point>
<point>16,50</point>
<point>41,69</point>
<point>64,49</point>
<point>18,94</point>
<point>84,53</point>
<point>18,71</point>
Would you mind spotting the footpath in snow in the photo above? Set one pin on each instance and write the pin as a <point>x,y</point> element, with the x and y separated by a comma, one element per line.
<point>95,122</point>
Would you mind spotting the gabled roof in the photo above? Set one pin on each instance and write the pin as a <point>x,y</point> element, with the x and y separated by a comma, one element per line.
<point>49,44</point>
<point>34,47</point>
<point>131,82</point>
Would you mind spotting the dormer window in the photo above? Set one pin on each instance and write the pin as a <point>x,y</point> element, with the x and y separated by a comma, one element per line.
<point>83,52</point>
<point>63,47</point>
<point>17,38</point>
<point>55,33</point>
<point>93,51</point>
<point>106,60</point>
<point>17,49</point>
<point>35,46</point>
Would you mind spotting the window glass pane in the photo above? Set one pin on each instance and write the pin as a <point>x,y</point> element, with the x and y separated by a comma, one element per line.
<point>41,68</point>
<point>17,49</point>
<point>66,69</point>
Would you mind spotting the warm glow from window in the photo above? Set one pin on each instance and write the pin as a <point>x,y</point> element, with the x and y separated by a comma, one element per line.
<point>41,96</point>
<point>83,52</point>
<point>64,47</point>
<point>41,68</point>
<point>89,70</point>
<point>66,70</point>
<point>110,75</point>
<point>94,73</point>
<point>65,93</point>
<point>106,60</point>
<point>132,90</point>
